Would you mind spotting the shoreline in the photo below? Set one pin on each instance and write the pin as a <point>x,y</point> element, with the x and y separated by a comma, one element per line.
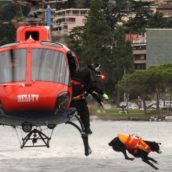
<point>128,118</point>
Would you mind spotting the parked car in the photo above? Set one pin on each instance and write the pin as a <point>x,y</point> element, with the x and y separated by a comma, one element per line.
<point>129,105</point>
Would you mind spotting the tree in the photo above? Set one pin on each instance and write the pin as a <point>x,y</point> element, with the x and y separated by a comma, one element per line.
<point>97,42</point>
<point>74,41</point>
<point>140,12</point>
<point>160,80</point>
<point>155,82</point>
<point>133,15</point>
<point>87,3</point>
<point>114,11</point>
<point>9,12</point>
<point>80,3</point>
<point>119,62</point>
<point>158,21</point>
<point>135,84</point>
<point>167,72</point>
<point>70,3</point>
<point>97,36</point>
<point>8,33</point>
<point>151,81</point>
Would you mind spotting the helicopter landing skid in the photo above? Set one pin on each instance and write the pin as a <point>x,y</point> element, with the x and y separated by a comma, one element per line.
<point>34,136</point>
<point>84,135</point>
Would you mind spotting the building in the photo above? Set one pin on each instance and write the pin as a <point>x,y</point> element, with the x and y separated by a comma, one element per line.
<point>67,19</point>
<point>139,53</point>
<point>139,50</point>
<point>165,9</point>
<point>159,46</point>
<point>160,1</point>
<point>55,1</point>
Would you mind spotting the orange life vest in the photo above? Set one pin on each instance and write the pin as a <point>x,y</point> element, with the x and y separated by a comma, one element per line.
<point>81,94</point>
<point>133,143</point>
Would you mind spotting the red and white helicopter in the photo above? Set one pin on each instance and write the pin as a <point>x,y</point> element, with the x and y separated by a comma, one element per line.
<point>35,85</point>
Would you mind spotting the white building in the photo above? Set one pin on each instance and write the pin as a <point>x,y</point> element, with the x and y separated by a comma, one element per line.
<point>65,20</point>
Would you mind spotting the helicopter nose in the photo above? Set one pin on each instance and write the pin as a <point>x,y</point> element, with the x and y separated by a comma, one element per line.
<point>28,84</point>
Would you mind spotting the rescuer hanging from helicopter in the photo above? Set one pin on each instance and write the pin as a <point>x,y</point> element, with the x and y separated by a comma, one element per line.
<point>84,82</point>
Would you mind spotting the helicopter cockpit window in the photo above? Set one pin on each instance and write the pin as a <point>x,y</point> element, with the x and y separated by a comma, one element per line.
<point>12,65</point>
<point>49,65</point>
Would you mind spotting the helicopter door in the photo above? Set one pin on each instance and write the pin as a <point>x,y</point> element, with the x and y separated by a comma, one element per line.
<point>73,62</point>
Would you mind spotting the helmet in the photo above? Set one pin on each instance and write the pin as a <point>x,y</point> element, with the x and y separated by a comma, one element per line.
<point>95,66</point>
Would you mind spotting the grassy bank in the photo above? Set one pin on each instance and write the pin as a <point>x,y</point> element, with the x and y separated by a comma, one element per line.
<point>118,114</point>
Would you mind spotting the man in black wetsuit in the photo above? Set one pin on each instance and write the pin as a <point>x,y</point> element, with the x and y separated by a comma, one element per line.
<point>84,82</point>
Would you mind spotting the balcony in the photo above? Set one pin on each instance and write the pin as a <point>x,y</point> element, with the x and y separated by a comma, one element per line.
<point>135,52</point>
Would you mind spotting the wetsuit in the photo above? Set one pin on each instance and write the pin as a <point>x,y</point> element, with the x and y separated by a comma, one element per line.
<point>84,82</point>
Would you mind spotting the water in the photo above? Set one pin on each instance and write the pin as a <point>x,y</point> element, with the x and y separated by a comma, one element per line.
<point>66,152</point>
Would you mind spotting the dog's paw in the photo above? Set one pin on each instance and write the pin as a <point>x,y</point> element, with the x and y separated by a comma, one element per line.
<point>131,159</point>
<point>156,168</point>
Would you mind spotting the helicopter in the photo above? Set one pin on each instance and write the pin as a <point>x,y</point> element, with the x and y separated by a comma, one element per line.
<point>35,86</point>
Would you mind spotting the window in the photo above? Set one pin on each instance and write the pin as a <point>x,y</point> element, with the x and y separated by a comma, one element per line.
<point>13,65</point>
<point>141,47</point>
<point>49,65</point>
<point>71,20</point>
<point>76,12</point>
<point>83,13</point>
<point>84,21</point>
<point>140,66</point>
<point>140,57</point>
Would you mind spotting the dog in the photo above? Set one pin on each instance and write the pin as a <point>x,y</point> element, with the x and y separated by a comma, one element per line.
<point>137,147</point>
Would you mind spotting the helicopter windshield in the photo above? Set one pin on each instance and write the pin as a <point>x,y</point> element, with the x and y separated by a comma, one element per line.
<point>12,65</point>
<point>49,65</point>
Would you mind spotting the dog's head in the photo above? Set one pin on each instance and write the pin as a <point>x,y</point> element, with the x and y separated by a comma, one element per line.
<point>156,147</point>
<point>116,144</point>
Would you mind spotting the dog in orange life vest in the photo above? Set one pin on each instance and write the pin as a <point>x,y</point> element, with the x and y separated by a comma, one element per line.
<point>137,147</point>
